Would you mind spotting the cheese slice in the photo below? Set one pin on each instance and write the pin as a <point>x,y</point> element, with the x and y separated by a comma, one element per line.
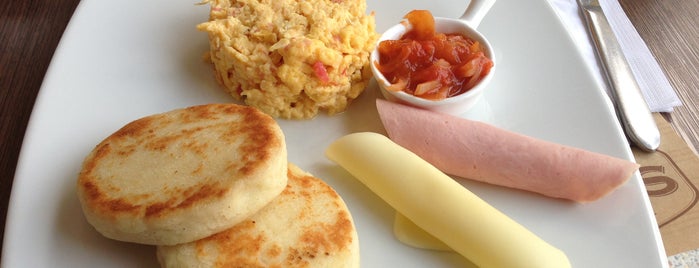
<point>440,205</point>
<point>412,235</point>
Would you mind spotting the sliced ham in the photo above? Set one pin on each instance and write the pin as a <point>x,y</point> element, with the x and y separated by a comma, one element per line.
<point>482,152</point>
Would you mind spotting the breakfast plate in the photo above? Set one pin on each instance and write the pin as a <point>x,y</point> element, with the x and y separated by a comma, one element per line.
<point>122,60</point>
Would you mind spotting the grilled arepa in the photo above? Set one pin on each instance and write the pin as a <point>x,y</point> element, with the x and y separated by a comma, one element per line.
<point>183,175</point>
<point>308,225</point>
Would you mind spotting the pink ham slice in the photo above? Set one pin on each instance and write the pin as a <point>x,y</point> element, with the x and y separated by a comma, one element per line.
<point>482,152</point>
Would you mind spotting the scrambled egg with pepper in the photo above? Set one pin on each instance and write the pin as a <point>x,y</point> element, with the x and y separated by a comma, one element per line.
<point>289,58</point>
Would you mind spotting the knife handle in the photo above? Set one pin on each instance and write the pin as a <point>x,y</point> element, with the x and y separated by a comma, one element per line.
<point>631,108</point>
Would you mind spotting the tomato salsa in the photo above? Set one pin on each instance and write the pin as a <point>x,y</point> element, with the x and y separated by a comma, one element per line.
<point>431,65</point>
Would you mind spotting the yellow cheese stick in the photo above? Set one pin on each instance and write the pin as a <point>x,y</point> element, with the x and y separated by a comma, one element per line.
<point>412,235</point>
<point>440,205</point>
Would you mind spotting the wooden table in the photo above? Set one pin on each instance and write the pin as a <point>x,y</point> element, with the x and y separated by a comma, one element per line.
<point>670,30</point>
<point>30,31</point>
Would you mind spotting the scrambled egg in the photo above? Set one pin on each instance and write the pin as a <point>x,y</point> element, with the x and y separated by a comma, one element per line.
<point>289,58</point>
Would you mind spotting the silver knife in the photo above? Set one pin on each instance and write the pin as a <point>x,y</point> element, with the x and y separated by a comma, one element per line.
<point>631,108</point>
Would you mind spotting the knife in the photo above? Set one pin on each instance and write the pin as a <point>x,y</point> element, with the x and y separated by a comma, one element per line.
<point>631,108</point>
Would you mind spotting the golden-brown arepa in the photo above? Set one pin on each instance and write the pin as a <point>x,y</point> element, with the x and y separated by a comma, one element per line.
<point>183,175</point>
<point>307,225</point>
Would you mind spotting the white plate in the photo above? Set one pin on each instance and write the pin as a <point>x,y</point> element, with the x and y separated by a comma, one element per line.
<point>121,60</point>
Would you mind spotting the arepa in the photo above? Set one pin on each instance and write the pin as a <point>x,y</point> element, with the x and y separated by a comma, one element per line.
<point>308,225</point>
<point>183,175</point>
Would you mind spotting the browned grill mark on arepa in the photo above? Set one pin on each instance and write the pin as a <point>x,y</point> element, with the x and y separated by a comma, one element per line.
<point>128,204</point>
<point>324,238</point>
<point>209,112</point>
<point>273,251</point>
<point>183,139</point>
<point>134,128</point>
<point>191,196</point>
<point>101,151</point>
<point>100,200</point>
<point>261,139</point>
<point>235,246</point>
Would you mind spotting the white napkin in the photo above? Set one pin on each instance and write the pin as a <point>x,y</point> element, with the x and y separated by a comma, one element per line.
<point>654,85</point>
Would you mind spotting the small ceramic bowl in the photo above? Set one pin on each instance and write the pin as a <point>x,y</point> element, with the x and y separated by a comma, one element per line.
<point>465,25</point>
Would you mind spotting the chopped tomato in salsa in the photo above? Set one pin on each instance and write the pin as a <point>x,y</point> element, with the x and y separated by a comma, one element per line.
<point>432,65</point>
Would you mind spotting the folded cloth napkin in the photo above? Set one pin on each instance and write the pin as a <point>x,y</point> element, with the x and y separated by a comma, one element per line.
<point>654,85</point>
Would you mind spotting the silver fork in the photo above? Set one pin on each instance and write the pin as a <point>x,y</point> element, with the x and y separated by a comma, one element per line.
<point>631,108</point>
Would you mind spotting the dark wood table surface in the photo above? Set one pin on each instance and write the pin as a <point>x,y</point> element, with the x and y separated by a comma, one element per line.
<point>31,30</point>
